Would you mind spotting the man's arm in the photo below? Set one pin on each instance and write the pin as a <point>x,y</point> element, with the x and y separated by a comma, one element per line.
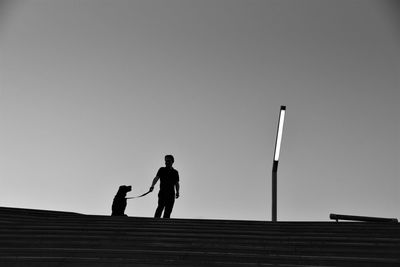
<point>155,180</point>
<point>177,189</point>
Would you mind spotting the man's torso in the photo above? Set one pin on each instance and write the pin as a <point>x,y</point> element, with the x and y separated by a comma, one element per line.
<point>168,179</point>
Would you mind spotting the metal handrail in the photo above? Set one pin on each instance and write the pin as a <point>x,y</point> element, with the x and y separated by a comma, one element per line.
<point>338,217</point>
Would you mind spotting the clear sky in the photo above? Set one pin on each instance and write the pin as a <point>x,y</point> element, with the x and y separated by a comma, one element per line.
<point>93,94</point>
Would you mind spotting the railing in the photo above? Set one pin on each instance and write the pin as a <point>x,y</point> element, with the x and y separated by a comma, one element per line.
<point>338,217</point>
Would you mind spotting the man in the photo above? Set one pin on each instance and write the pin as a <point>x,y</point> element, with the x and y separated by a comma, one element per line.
<point>169,182</point>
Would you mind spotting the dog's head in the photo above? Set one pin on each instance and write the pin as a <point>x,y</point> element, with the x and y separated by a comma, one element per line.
<point>123,189</point>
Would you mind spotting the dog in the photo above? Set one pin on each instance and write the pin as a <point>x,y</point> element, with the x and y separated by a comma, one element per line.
<point>119,202</point>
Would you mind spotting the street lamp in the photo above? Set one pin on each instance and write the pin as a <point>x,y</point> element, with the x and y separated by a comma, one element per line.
<point>278,142</point>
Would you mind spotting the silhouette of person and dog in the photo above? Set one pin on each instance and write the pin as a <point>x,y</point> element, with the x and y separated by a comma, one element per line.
<point>169,191</point>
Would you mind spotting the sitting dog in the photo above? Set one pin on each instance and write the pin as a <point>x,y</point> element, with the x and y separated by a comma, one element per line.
<point>119,203</point>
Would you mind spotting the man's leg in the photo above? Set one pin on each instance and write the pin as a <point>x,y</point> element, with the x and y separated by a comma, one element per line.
<point>160,207</point>
<point>169,204</point>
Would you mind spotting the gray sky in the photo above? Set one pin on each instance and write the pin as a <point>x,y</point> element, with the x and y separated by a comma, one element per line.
<point>93,94</point>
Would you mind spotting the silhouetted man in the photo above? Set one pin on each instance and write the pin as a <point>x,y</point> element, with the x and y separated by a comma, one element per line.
<point>169,181</point>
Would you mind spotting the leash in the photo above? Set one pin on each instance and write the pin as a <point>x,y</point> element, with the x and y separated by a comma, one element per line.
<point>140,195</point>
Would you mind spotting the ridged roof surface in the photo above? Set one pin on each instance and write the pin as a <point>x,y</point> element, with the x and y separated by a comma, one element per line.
<point>51,238</point>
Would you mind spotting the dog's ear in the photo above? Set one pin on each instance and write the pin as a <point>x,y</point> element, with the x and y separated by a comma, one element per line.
<point>121,189</point>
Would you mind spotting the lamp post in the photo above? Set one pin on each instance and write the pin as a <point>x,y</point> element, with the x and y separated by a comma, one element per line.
<point>278,142</point>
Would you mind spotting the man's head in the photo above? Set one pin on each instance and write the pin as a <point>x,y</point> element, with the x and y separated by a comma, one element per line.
<point>169,160</point>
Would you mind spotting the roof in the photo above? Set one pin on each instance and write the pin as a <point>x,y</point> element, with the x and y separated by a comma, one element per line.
<point>42,238</point>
